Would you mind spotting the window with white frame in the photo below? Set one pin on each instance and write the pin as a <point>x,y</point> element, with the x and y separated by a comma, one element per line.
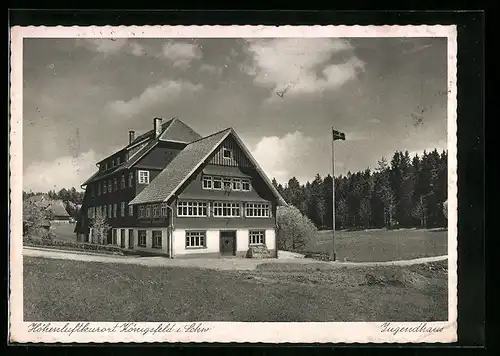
<point>143,177</point>
<point>130,210</point>
<point>122,209</point>
<point>226,210</point>
<point>195,239</point>
<point>141,211</point>
<point>122,183</point>
<point>191,208</point>
<point>227,183</point>
<point>110,187</point>
<point>148,211</point>
<point>207,182</point>
<point>227,153</point>
<point>105,211</point>
<point>115,184</point>
<point>257,237</point>
<point>142,238</point>
<point>217,182</point>
<point>245,185</point>
<point>164,208</point>
<point>104,187</point>
<point>257,210</point>
<point>110,211</point>
<point>157,238</point>
<point>115,210</point>
<point>236,183</point>
<point>156,210</point>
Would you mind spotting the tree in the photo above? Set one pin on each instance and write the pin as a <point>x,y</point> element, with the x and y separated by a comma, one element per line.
<point>35,217</point>
<point>294,230</point>
<point>100,229</point>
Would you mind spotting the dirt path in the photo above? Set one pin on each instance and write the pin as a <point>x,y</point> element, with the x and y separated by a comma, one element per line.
<point>244,264</point>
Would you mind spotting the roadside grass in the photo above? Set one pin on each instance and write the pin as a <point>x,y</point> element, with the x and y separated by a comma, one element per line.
<point>63,290</point>
<point>64,231</point>
<point>381,245</point>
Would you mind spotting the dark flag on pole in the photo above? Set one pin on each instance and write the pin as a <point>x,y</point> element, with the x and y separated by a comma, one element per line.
<point>337,135</point>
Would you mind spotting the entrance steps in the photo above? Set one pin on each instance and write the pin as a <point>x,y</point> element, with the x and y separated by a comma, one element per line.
<point>258,251</point>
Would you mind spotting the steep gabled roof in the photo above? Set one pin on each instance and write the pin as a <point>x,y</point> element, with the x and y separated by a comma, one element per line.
<point>182,167</point>
<point>178,131</point>
<point>185,164</point>
<point>56,206</point>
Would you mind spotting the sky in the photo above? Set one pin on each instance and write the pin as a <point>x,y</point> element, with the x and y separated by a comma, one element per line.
<point>82,96</point>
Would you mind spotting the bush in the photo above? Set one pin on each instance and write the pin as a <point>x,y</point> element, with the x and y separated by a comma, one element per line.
<point>70,245</point>
<point>294,230</point>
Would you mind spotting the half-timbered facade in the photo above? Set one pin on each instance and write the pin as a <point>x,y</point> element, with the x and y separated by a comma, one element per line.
<point>173,192</point>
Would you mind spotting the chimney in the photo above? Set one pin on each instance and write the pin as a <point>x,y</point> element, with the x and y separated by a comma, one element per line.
<point>131,136</point>
<point>157,126</point>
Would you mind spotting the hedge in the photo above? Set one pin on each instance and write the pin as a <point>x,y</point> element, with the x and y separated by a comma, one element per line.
<point>69,245</point>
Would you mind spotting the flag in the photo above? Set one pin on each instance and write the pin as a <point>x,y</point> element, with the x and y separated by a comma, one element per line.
<point>337,135</point>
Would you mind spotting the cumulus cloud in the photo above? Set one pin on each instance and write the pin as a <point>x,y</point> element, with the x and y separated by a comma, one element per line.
<point>301,65</point>
<point>181,54</point>
<point>210,69</point>
<point>63,172</point>
<point>110,46</point>
<point>167,90</point>
<point>280,156</point>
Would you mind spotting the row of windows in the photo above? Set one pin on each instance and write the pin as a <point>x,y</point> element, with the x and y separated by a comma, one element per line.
<point>225,183</point>
<point>114,162</point>
<point>112,185</point>
<point>223,209</point>
<point>109,211</point>
<point>153,210</point>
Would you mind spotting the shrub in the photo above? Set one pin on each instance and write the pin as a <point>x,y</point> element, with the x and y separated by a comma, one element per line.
<point>294,230</point>
<point>70,245</point>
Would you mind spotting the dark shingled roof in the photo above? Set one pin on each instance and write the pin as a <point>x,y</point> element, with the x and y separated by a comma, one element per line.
<point>178,131</point>
<point>181,167</point>
<point>55,206</point>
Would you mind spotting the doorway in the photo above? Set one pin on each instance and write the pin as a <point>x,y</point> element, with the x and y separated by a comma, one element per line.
<point>228,243</point>
<point>131,238</point>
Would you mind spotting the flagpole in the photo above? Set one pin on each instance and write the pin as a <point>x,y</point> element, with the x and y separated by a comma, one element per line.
<point>334,257</point>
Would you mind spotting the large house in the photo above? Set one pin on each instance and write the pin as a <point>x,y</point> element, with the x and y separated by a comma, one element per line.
<point>173,192</point>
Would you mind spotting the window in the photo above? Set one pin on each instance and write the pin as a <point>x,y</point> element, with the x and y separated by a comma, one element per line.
<point>157,239</point>
<point>131,179</point>
<point>207,182</point>
<point>227,184</point>
<point>141,211</point>
<point>98,188</point>
<point>92,193</point>
<point>164,209</point>
<point>112,163</point>
<point>110,211</point>
<point>130,210</point>
<point>191,208</point>
<point>156,210</point>
<point>226,153</point>
<point>143,177</point>
<point>236,184</point>
<point>106,166</point>
<point>115,185</point>
<point>117,161</point>
<point>148,211</point>
<point>226,210</point>
<point>258,210</point>
<point>142,238</point>
<point>105,211</point>
<point>195,239</point>
<point>109,186</point>
<point>104,187</point>
<point>115,210</point>
<point>217,182</point>
<point>245,185</point>
<point>122,209</point>
<point>257,237</point>
<point>122,185</point>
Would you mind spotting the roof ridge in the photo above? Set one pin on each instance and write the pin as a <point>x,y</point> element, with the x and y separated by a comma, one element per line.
<point>218,132</point>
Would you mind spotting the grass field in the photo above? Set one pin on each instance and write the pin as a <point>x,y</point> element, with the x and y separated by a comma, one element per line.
<point>60,290</point>
<point>64,231</point>
<point>381,245</point>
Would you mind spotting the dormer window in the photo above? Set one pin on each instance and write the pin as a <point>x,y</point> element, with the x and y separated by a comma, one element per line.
<point>227,153</point>
<point>143,177</point>
<point>117,161</point>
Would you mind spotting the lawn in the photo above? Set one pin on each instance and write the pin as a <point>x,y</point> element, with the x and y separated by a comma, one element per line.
<point>64,231</point>
<point>60,290</point>
<point>382,245</point>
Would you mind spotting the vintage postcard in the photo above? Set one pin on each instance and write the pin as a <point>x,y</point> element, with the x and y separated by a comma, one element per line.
<point>174,184</point>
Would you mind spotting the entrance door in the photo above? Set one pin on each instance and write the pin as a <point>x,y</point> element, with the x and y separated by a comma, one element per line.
<point>122,238</point>
<point>228,243</point>
<point>109,239</point>
<point>131,238</point>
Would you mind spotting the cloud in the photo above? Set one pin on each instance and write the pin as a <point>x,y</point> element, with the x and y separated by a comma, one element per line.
<point>208,68</point>
<point>181,53</point>
<point>109,46</point>
<point>63,172</point>
<point>278,156</point>
<point>374,121</point>
<point>301,65</point>
<point>167,90</point>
